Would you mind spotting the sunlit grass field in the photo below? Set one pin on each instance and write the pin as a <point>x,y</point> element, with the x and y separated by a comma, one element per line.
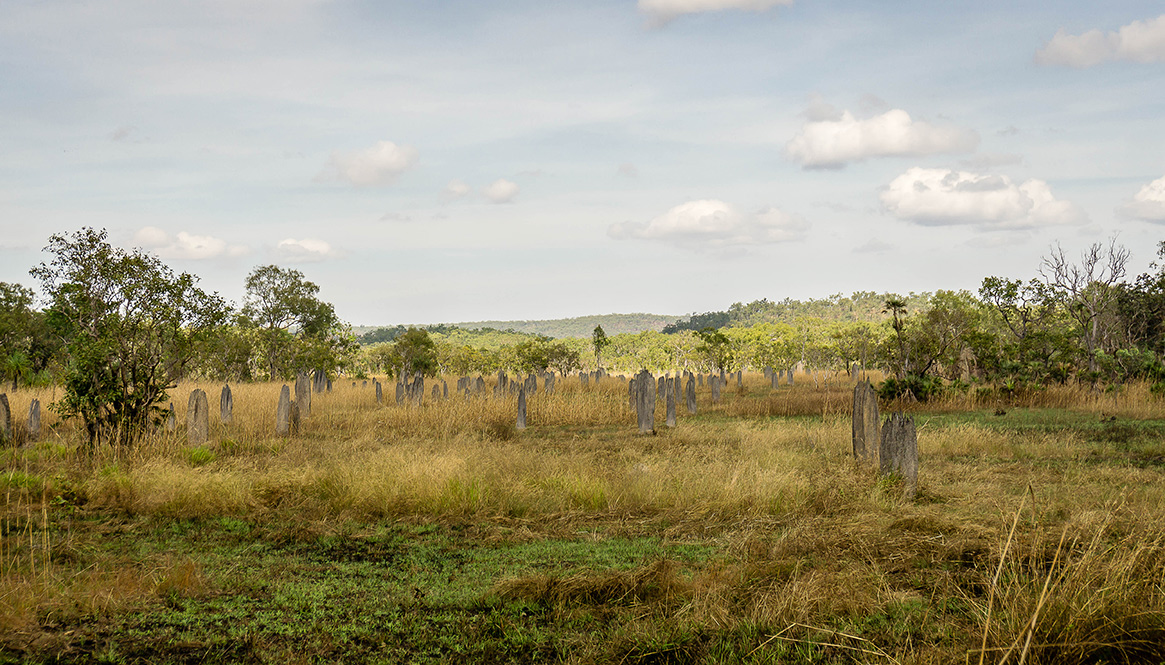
<point>440,532</point>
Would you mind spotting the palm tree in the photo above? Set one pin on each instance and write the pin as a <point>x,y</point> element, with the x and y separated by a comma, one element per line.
<point>17,367</point>
<point>896,306</point>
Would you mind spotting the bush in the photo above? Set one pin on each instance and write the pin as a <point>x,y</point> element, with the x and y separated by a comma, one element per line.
<point>921,387</point>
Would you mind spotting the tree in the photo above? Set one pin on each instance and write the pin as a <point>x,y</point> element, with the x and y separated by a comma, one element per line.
<point>716,348</point>
<point>1141,307</point>
<point>599,341</point>
<point>15,317</point>
<point>1087,289</point>
<point>129,325</point>
<point>16,367</point>
<point>1021,307</point>
<point>855,342</point>
<point>413,352</point>
<point>16,330</point>
<point>1026,342</point>
<point>532,355</point>
<point>896,306</point>
<point>940,334</point>
<point>563,359</point>
<point>297,328</point>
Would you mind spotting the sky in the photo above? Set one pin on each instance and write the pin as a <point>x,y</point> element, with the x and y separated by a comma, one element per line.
<point>445,161</point>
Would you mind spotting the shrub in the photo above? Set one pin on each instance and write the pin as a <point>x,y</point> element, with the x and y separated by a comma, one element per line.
<point>921,387</point>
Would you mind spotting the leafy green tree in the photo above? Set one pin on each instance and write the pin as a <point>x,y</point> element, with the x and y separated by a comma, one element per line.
<point>716,348</point>
<point>462,359</point>
<point>599,341</point>
<point>130,324</point>
<point>938,336</point>
<point>855,342</point>
<point>563,359</point>
<point>532,355</point>
<point>15,317</point>
<point>297,329</point>
<point>645,350</point>
<point>413,352</point>
<point>19,326</point>
<point>1141,307</point>
<point>1022,335</point>
<point>231,353</point>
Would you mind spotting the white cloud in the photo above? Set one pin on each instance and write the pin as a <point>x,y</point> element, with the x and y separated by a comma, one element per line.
<point>308,250</point>
<point>713,224</point>
<point>379,165</point>
<point>1148,204</point>
<point>941,197</point>
<point>1139,41</point>
<point>185,245</point>
<point>664,11</point>
<point>500,191</point>
<point>829,140</point>
<point>456,189</point>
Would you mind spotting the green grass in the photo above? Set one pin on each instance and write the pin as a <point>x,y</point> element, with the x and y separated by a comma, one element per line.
<point>379,593</point>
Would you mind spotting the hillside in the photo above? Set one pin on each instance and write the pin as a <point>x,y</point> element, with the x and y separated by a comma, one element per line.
<point>581,326</point>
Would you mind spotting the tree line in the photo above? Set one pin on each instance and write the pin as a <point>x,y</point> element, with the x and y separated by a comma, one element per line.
<point>1078,320</point>
<point>118,328</point>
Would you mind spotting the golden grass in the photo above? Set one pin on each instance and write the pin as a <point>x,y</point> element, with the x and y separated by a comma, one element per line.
<point>34,588</point>
<point>766,473</point>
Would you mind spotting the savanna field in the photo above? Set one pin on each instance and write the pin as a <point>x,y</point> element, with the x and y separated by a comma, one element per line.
<point>441,533</point>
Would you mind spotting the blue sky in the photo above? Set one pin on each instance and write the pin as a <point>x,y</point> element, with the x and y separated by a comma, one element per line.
<point>451,161</point>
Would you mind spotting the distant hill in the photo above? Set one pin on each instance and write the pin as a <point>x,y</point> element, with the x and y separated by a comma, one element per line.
<point>858,306</point>
<point>580,326</point>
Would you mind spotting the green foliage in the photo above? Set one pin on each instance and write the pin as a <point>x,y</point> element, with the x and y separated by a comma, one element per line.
<point>1141,307</point>
<point>200,456</point>
<point>715,348</point>
<point>542,354</point>
<point>698,322</point>
<point>414,351</point>
<point>381,335</point>
<point>599,341</point>
<point>15,317</point>
<point>27,345</point>
<point>296,329</point>
<point>579,327</point>
<point>1124,365</point>
<point>922,388</point>
<point>130,325</point>
<point>858,306</point>
<point>563,359</point>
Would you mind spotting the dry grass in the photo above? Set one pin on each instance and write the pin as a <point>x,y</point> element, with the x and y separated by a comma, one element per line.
<point>35,587</point>
<point>799,520</point>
